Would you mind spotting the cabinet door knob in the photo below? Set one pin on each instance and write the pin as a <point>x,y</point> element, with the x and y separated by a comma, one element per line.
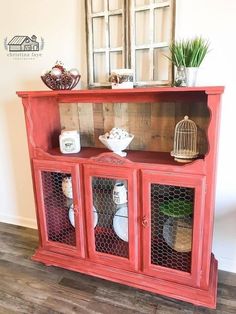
<point>76,209</point>
<point>144,221</point>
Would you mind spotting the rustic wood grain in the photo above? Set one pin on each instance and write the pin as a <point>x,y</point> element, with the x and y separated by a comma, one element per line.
<point>31,287</point>
<point>200,114</point>
<point>152,124</point>
<point>163,124</point>
<point>98,120</point>
<point>86,124</point>
<point>69,116</point>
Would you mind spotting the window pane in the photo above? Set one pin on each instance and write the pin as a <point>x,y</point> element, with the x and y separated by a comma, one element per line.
<point>162,25</point>
<point>116,60</point>
<point>100,67</point>
<point>161,64</point>
<point>141,2</point>
<point>126,33</point>
<point>97,6</point>
<point>142,65</point>
<point>142,27</point>
<point>116,31</point>
<point>115,4</point>
<point>99,40</point>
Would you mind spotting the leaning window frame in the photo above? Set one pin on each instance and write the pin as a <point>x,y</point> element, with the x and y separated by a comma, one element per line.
<point>129,47</point>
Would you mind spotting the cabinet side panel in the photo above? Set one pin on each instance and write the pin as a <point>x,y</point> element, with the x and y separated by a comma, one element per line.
<point>43,123</point>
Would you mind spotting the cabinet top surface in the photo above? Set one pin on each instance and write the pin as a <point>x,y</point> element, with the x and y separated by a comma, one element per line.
<point>114,92</point>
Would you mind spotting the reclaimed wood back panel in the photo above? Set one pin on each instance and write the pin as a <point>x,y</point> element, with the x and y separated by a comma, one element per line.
<point>152,124</point>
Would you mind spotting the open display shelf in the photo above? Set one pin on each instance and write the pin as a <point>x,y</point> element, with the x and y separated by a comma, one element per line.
<point>160,240</point>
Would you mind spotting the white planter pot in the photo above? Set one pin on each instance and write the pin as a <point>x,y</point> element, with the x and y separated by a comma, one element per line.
<point>191,76</point>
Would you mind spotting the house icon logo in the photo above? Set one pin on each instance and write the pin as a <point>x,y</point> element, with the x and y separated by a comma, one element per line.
<point>23,43</point>
<point>21,47</point>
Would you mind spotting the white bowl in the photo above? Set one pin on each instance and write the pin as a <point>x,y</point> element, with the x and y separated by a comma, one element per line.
<point>71,215</point>
<point>116,145</point>
<point>120,223</point>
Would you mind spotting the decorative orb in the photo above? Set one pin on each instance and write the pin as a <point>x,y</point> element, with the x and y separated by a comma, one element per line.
<point>74,72</point>
<point>56,72</point>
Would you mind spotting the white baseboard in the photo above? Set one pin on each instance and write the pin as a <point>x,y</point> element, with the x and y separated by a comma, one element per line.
<point>18,220</point>
<point>224,264</point>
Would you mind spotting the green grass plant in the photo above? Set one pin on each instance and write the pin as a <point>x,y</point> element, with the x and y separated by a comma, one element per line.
<point>189,52</point>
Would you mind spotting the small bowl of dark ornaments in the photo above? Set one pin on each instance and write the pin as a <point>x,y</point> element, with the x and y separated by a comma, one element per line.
<point>59,78</point>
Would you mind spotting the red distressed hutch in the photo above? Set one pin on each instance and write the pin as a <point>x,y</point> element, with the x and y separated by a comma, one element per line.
<point>168,253</point>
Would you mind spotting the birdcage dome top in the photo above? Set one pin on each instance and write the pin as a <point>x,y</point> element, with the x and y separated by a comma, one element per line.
<point>185,140</point>
<point>186,124</point>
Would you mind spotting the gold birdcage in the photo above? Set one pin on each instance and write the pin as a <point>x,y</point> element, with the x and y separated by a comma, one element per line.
<point>185,141</point>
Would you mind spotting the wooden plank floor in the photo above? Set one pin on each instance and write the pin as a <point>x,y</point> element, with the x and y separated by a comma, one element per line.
<point>30,287</point>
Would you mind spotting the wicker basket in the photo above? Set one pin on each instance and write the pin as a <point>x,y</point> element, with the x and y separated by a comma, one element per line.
<point>65,81</point>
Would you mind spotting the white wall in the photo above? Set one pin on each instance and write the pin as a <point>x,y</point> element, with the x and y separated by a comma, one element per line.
<point>61,24</point>
<point>215,20</point>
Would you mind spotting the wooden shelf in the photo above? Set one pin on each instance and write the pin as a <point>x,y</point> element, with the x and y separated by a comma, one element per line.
<point>145,159</point>
<point>116,92</point>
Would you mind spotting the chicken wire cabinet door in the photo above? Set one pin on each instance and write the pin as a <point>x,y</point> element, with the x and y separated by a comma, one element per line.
<point>172,225</point>
<point>111,212</point>
<point>59,207</point>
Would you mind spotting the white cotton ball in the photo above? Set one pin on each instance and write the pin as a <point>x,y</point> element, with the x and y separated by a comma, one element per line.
<point>117,133</point>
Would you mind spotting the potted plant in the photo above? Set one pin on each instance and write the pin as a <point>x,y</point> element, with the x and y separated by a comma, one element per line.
<point>177,228</point>
<point>187,55</point>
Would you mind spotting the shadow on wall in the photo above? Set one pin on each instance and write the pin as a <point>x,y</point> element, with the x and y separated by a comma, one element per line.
<point>224,240</point>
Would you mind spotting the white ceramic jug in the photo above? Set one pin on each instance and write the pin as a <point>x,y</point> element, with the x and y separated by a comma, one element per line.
<point>119,193</point>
